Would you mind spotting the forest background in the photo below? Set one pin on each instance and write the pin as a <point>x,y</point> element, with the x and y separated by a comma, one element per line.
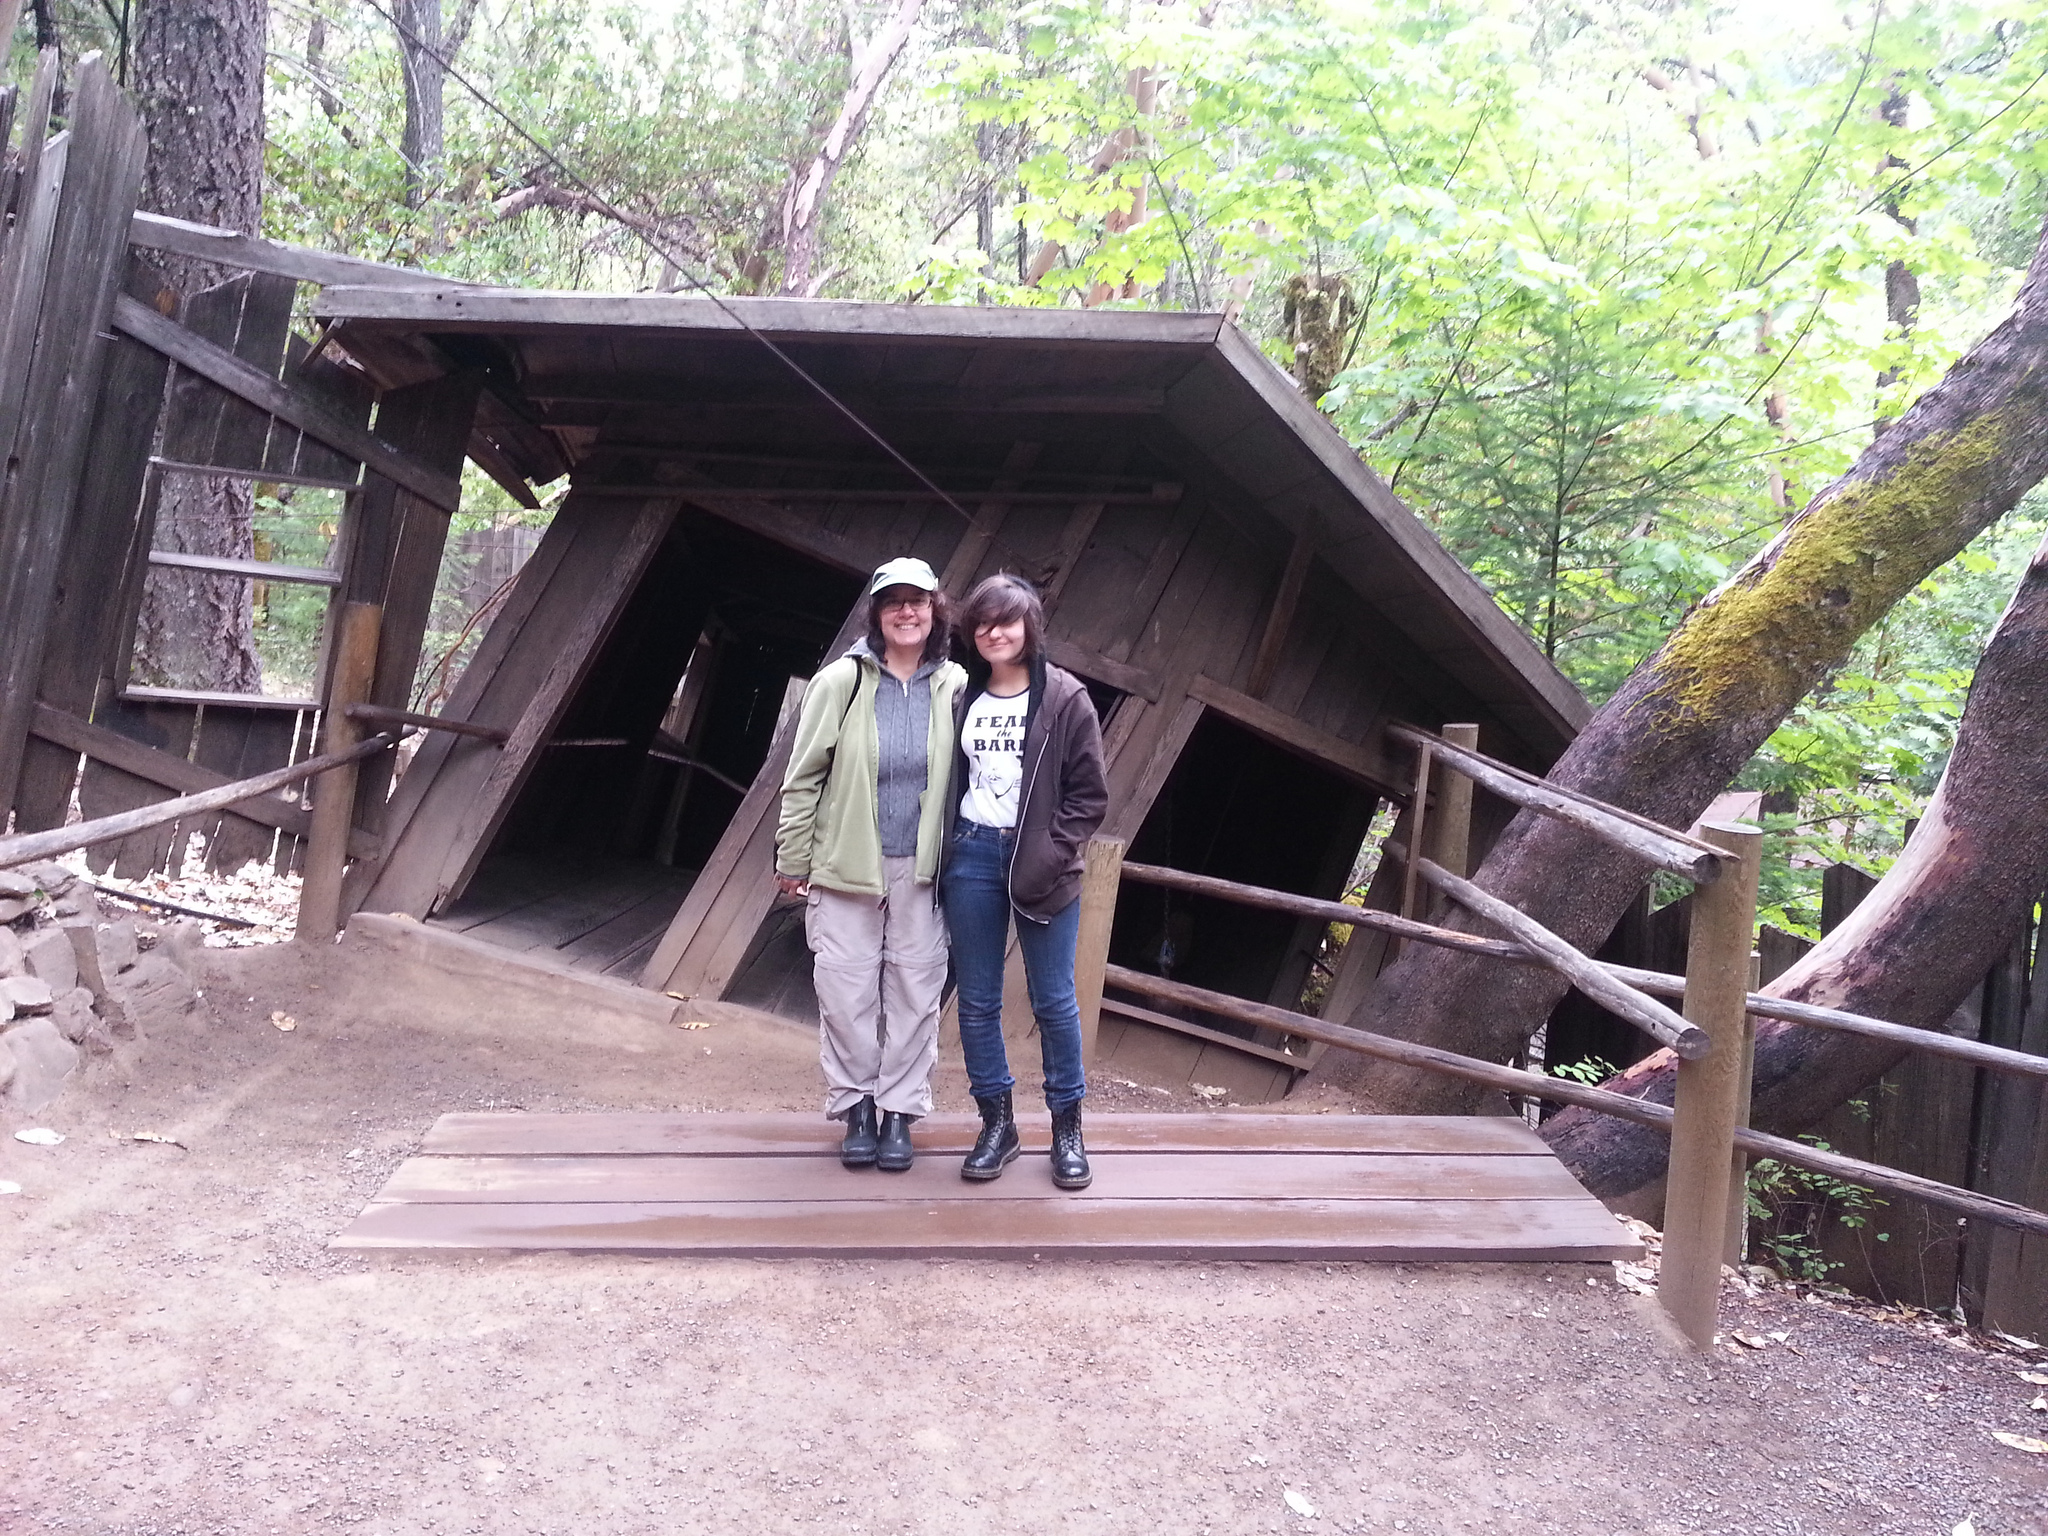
<point>1605,292</point>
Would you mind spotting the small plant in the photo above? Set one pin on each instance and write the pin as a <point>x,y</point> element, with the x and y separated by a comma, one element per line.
<point>1589,1071</point>
<point>1789,1209</point>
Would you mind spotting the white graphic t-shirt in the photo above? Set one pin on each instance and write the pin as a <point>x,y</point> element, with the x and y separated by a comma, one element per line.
<point>993,739</point>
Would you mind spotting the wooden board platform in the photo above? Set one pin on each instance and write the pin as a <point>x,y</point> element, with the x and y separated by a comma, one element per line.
<point>1214,1186</point>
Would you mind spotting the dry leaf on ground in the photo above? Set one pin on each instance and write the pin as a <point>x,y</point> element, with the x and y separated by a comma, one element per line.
<point>284,1020</point>
<point>37,1136</point>
<point>9,1187</point>
<point>160,1139</point>
<point>693,1024</point>
<point>2025,1443</point>
<point>1300,1505</point>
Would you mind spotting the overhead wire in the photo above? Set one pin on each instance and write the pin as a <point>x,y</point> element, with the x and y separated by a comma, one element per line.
<point>663,249</point>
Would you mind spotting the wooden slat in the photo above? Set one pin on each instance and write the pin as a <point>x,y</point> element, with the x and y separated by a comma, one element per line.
<point>1118,1176</point>
<point>1280,617</point>
<point>260,570</point>
<point>49,447</point>
<point>227,248</point>
<point>310,413</point>
<point>1317,1230</point>
<point>1093,664</point>
<point>96,580</point>
<point>1366,763</point>
<point>625,1133</point>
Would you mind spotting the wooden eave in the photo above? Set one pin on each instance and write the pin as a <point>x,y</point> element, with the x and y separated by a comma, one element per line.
<point>1227,409</point>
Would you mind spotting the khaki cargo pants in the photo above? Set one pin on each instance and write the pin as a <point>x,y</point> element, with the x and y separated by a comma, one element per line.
<point>879,965</point>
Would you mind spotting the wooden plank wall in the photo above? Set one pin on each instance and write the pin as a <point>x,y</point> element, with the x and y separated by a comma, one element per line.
<point>59,298</point>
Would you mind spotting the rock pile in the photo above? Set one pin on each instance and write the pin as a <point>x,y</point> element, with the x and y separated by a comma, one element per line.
<point>71,983</point>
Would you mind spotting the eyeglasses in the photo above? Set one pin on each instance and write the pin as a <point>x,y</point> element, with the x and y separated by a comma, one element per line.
<point>920,602</point>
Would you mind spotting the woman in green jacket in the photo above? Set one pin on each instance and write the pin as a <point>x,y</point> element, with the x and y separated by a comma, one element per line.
<point>863,815</point>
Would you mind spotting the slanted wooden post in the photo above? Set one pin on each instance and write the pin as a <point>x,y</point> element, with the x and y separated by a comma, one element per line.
<point>1696,1193</point>
<point>334,796</point>
<point>1100,876</point>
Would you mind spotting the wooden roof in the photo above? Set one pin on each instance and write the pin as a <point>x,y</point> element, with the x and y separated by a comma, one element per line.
<point>938,382</point>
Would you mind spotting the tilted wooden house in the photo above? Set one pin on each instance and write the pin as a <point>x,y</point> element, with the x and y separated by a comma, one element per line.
<point>1248,602</point>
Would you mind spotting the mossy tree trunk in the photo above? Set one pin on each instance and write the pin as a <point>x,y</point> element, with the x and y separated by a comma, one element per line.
<point>1687,720</point>
<point>1918,945</point>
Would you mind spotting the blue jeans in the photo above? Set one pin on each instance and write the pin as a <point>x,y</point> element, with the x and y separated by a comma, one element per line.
<point>976,890</point>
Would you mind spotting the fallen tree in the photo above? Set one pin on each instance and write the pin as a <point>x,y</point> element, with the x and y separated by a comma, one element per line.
<point>1688,718</point>
<point>1919,943</point>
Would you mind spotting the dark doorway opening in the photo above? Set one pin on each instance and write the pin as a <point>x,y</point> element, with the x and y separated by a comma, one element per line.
<point>651,758</point>
<point>1240,808</point>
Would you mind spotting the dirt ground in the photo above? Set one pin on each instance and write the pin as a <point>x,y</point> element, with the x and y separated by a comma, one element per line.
<point>183,1354</point>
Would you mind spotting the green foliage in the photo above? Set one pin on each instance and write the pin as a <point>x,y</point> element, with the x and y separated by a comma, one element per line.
<point>1790,1209</point>
<point>1619,274</point>
<point>1590,1071</point>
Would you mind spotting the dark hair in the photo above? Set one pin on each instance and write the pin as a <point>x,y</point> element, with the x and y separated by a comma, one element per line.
<point>997,600</point>
<point>936,644</point>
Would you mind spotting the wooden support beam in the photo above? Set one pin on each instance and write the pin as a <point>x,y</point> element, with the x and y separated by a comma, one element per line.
<point>77,737</point>
<point>31,846</point>
<point>1703,1128</point>
<point>260,570</point>
<point>252,253</point>
<point>309,413</point>
<point>1366,764</point>
<point>1120,675</point>
<point>1164,495</point>
<point>1099,876</point>
<point>355,663</point>
<point>1280,617</point>
<point>378,714</point>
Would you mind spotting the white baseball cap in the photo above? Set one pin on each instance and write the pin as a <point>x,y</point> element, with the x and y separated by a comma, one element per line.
<point>905,571</point>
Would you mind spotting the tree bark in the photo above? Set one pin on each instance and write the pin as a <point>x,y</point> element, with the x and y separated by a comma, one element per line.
<point>803,199</point>
<point>1917,945</point>
<point>1687,720</point>
<point>199,82</point>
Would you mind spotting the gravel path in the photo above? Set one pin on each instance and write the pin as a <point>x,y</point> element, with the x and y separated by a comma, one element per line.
<point>182,1353</point>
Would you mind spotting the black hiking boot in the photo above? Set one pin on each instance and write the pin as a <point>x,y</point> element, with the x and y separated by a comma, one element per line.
<point>896,1153</point>
<point>1069,1157</point>
<point>859,1148</point>
<point>997,1146</point>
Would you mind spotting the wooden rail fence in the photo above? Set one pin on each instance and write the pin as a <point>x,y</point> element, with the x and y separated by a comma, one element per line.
<point>1705,1204</point>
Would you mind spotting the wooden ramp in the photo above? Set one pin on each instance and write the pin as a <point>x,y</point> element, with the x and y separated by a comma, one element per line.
<point>1307,1187</point>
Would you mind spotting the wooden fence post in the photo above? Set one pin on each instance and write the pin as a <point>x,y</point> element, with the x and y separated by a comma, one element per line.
<point>1100,877</point>
<point>1696,1192</point>
<point>1737,1247</point>
<point>334,795</point>
<point>1451,828</point>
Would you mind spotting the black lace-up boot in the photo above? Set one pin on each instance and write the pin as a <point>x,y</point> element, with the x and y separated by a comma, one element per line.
<point>997,1145</point>
<point>895,1153</point>
<point>859,1148</point>
<point>1069,1157</point>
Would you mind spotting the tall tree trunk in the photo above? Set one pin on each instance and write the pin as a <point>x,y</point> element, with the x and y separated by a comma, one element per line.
<point>199,82</point>
<point>1916,946</point>
<point>426,48</point>
<point>1686,721</point>
<point>803,199</point>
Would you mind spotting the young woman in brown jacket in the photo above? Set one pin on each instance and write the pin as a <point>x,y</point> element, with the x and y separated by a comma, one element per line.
<point>1031,793</point>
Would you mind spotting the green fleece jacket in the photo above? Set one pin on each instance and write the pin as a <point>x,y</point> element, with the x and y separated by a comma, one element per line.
<point>830,832</point>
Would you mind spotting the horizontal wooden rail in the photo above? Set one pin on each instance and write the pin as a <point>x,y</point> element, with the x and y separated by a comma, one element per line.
<point>30,846</point>
<point>1696,861</point>
<point>1617,997</point>
<point>380,714</point>
<point>1996,1058</point>
<point>1850,1170</point>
